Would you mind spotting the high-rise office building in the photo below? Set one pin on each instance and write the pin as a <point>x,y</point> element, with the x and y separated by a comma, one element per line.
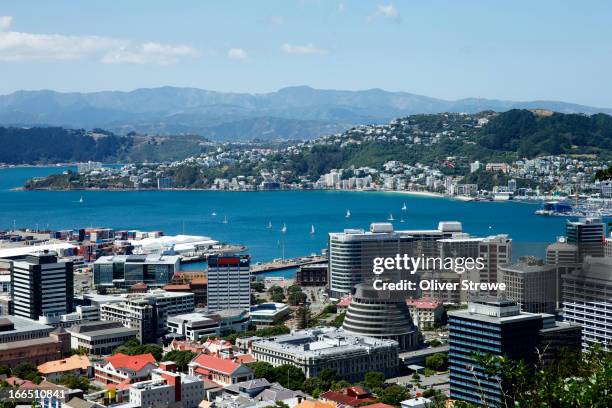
<point>494,250</point>
<point>381,314</point>
<point>564,257</point>
<point>352,252</point>
<point>588,234</point>
<point>229,282</point>
<point>532,284</point>
<point>41,286</point>
<point>587,301</point>
<point>498,327</point>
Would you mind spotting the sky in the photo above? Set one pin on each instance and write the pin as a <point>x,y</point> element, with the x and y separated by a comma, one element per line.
<point>516,50</point>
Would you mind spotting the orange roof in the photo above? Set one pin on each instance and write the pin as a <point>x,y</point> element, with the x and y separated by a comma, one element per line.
<point>423,303</point>
<point>67,364</point>
<point>214,363</point>
<point>140,285</point>
<point>199,281</point>
<point>245,358</point>
<point>177,286</point>
<point>316,404</point>
<point>135,363</point>
<point>378,405</point>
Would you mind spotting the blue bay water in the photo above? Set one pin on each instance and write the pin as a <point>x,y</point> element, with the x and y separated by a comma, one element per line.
<point>248,214</point>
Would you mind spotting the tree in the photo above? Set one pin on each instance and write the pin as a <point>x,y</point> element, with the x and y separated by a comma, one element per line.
<point>74,382</point>
<point>132,347</point>
<point>181,357</point>
<point>374,379</point>
<point>5,370</point>
<point>393,395</point>
<point>258,286</point>
<point>262,369</point>
<point>437,362</point>
<point>27,371</point>
<point>303,317</point>
<point>276,294</point>
<point>290,376</point>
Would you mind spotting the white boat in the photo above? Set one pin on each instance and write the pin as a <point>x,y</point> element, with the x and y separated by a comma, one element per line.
<point>390,218</point>
<point>214,213</point>
<point>312,230</point>
<point>269,225</point>
<point>402,220</point>
<point>81,199</point>
<point>348,214</point>
<point>225,219</point>
<point>284,229</point>
<point>404,208</point>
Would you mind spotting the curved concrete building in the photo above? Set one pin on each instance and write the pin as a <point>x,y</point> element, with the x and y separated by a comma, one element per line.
<point>381,314</point>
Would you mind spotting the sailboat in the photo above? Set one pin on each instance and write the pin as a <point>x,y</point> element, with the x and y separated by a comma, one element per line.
<point>348,214</point>
<point>284,229</point>
<point>214,213</point>
<point>81,200</point>
<point>404,208</point>
<point>225,219</point>
<point>390,218</point>
<point>312,229</point>
<point>402,220</point>
<point>269,225</point>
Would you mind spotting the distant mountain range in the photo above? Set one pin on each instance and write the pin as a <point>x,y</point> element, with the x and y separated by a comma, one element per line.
<point>290,113</point>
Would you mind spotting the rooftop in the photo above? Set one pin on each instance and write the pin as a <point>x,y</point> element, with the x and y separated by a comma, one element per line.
<point>136,362</point>
<point>67,364</point>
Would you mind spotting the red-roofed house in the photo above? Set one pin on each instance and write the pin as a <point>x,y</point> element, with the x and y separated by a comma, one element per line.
<point>350,397</point>
<point>344,302</point>
<point>222,371</point>
<point>124,369</point>
<point>425,312</point>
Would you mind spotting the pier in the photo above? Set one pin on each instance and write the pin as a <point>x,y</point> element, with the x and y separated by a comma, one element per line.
<point>281,264</point>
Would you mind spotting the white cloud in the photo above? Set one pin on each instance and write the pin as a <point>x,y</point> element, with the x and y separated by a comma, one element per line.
<point>148,53</point>
<point>237,54</point>
<point>18,46</point>
<point>302,49</point>
<point>5,22</point>
<point>387,11</point>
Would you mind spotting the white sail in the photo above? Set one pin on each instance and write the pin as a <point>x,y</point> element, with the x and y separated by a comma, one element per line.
<point>312,229</point>
<point>214,213</point>
<point>225,219</point>
<point>81,199</point>
<point>390,217</point>
<point>284,229</point>
<point>269,224</point>
<point>404,208</point>
<point>348,214</point>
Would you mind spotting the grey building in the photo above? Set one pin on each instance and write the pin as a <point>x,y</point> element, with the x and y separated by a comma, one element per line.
<point>229,282</point>
<point>587,301</point>
<point>382,315</point>
<point>588,234</point>
<point>126,270</point>
<point>313,350</point>
<point>351,253</point>
<point>41,286</point>
<point>532,284</point>
<point>498,327</point>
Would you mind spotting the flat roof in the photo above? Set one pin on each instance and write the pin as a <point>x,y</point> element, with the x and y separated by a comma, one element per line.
<point>26,250</point>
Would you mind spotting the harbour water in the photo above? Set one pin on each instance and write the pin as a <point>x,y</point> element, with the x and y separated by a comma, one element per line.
<point>249,214</point>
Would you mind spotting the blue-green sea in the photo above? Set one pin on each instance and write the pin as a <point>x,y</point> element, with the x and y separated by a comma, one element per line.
<point>248,214</point>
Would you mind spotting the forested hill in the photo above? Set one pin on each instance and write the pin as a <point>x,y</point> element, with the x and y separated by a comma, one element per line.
<point>533,133</point>
<point>57,145</point>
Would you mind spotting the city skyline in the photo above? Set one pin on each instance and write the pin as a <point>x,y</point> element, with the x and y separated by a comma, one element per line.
<point>445,50</point>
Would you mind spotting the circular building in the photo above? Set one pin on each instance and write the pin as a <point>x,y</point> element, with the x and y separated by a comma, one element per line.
<point>381,314</point>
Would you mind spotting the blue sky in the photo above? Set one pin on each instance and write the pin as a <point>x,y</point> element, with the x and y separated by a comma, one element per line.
<point>520,50</point>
